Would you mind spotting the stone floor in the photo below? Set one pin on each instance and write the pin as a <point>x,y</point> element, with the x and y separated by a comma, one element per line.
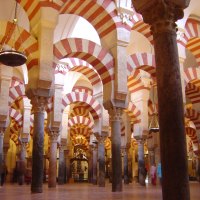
<point>85,191</point>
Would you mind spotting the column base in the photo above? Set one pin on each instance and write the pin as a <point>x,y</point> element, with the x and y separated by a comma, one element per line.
<point>36,190</point>
<point>51,186</point>
<point>118,188</point>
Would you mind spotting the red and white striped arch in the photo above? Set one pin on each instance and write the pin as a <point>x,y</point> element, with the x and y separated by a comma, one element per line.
<point>79,110</point>
<point>136,18</point>
<point>193,93</point>
<point>14,137</point>
<point>101,14</point>
<point>80,120</point>
<point>192,37</point>
<point>80,140</point>
<point>16,81</point>
<point>86,131</point>
<point>95,55</point>
<point>191,132</point>
<point>192,83</point>
<point>82,89</point>
<point>83,97</point>
<point>190,74</point>
<point>81,66</point>
<point>16,92</point>
<point>16,115</point>
<point>134,113</point>
<point>135,82</point>
<point>143,61</point>
<point>144,29</point>
<point>33,8</point>
<point>194,116</point>
<point>29,46</point>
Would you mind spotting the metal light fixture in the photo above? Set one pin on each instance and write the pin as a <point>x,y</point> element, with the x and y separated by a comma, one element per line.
<point>154,125</point>
<point>9,56</point>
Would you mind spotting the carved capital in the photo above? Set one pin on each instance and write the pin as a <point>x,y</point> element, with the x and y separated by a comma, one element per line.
<point>115,113</point>
<point>161,15</point>
<point>39,103</point>
<point>53,135</point>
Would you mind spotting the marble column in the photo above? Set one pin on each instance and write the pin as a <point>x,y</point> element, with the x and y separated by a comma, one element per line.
<point>53,137</point>
<point>101,159</point>
<point>162,15</point>
<point>94,164</point>
<point>38,104</point>
<point>115,118</point>
<point>21,163</point>
<point>125,160</point>
<point>90,165</point>
<point>62,166</point>
<point>141,163</point>
<point>151,156</point>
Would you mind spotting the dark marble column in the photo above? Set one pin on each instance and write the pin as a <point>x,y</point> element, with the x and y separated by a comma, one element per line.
<point>53,137</point>
<point>101,159</point>
<point>94,163</point>
<point>141,163</point>
<point>38,104</point>
<point>115,118</point>
<point>162,17</point>
<point>62,166</point>
<point>125,160</point>
<point>21,163</point>
<point>90,165</point>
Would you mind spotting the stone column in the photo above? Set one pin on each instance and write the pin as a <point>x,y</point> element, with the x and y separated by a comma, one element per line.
<point>21,163</point>
<point>90,165</point>
<point>141,163</point>
<point>38,104</point>
<point>115,118</point>
<point>162,15</point>
<point>94,163</point>
<point>125,160</point>
<point>151,156</point>
<point>53,136</point>
<point>62,165</point>
<point>101,159</point>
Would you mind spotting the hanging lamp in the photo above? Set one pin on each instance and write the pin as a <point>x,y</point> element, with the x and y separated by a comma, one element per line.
<point>8,55</point>
<point>154,125</point>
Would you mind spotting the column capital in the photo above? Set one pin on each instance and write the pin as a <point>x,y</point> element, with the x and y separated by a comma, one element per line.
<point>161,14</point>
<point>115,113</point>
<point>53,135</point>
<point>39,103</point>
<point>101,137</point>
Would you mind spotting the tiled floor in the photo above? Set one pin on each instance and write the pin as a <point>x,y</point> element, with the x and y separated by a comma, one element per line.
<point>84,191</point>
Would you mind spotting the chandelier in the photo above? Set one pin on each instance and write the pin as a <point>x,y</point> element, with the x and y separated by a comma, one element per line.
<point>8,55</point>
<point>153,124</point>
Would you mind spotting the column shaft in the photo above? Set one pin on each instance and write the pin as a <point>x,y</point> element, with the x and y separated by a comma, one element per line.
<point>53,161</point>
<point>37,154</point>
<point>61,168</point>
<point>172,135</point>
<point>126,179</point>
<point>116,150</point>
<point>141,163</point>
<point>94,175</point>
<point>101,158</point>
